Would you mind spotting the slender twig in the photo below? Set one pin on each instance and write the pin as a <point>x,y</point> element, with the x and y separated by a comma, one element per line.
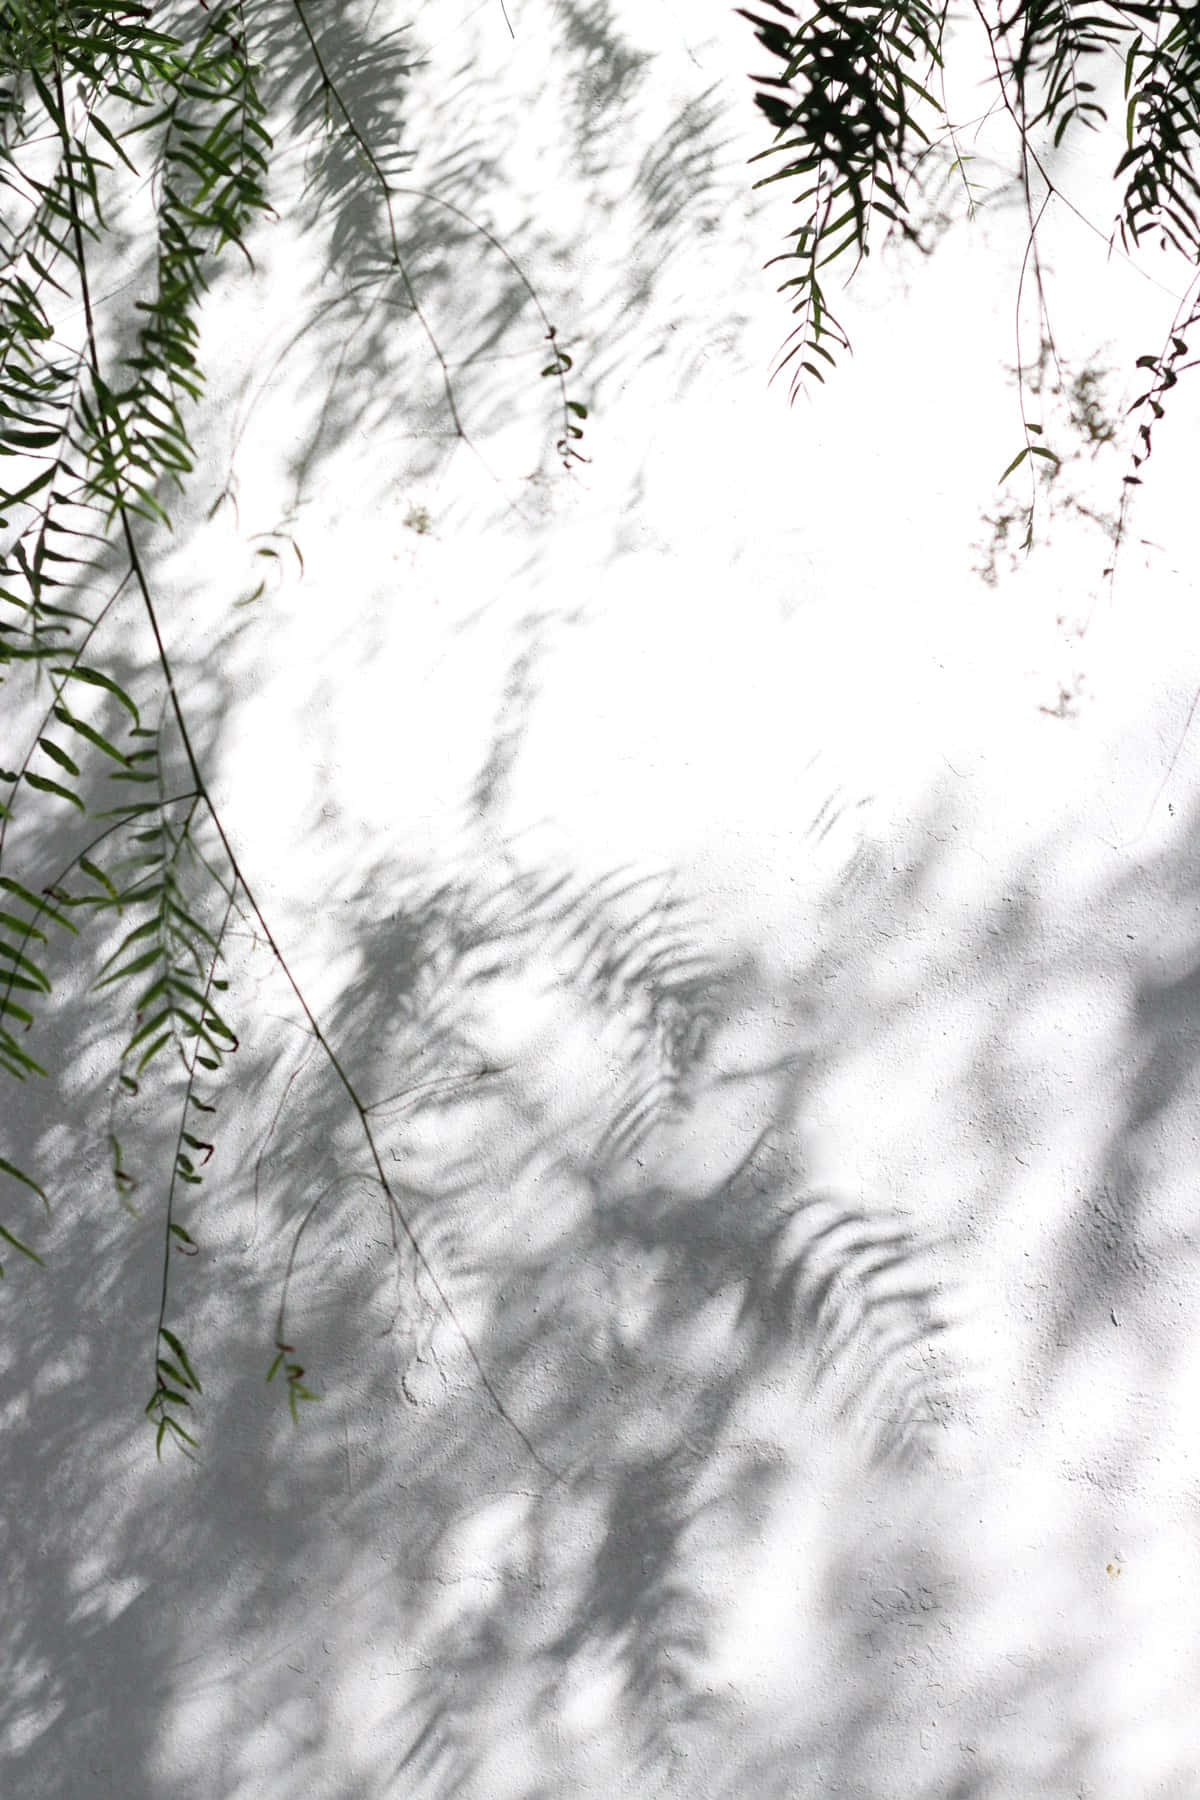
<point>239,878</point>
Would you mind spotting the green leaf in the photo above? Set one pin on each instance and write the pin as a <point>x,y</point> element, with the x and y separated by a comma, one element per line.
<point>38,979</point>
<point>171,1372</point>
<point>39,906</point>
<point>296,1393</point>
<point>45,786</point>
<point>134,968</point>
<point>96,874</point>
<point>1016,462</point>
<point>147,928</point>
<point>19,925</point>
<point>17,1061</point>
<point>11,1238</point>
<point>95,678</point>
<point>147,1030</point>
<point>122,1177</point>
<point>26,1180</point>
<point>157,987</point>
<point>149,1054</point>
<point>28,439</point>
<point>28,491</point>
<point>97,124</point>
<point>59,756</point>
<point>15,982</point>
<point>170,1338</point>
<point>90,733</point>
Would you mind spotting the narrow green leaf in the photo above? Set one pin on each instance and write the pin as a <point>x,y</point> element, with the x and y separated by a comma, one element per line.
<point>96,874</point>
<point>95,678</point>
<point>59,756</point>
<point>185,919</point>
<point>17,1061</point>
<point>147,1030</point>
<point>29,490</point>
<point>152,1051</point>
<point>19,925</point>
<point>98,125</point>
<point>37,978</point>
<point>45,786</point>
<point>148,928</point>
<point>26,1180</point>
<point>39,906</point>
<point>14,981</point>
<point>134,968</point>
<point>11,1238</point>
<point>90,733</point>
<point>157,987</point>
<point>28,439</point>
<point>170,1338</point>
<point>168,1369</point>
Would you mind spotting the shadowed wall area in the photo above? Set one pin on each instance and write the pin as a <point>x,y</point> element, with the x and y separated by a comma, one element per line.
<point>772,1372</point>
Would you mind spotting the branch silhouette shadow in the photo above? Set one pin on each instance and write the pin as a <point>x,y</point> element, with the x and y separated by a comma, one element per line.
<point>592,1110</point>
<point>636,1280</point>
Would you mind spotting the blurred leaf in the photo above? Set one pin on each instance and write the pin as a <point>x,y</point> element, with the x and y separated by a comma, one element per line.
<point>45,786</point>
<point>11,1169</point>
<point>11,1238</point>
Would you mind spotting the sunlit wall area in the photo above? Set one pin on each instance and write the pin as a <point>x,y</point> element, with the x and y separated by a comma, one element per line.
<point>752,907</point>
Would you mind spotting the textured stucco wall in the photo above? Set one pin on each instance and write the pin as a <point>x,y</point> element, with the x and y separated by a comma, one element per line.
<point>783,1026</point>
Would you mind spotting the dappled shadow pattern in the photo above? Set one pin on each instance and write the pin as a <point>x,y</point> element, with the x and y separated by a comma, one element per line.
<point>711,1528</point>
<point>594,1120</point>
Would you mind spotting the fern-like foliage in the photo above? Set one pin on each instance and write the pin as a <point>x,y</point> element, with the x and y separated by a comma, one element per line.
<point>1050,45</point>
<point>850,107</point>
<point>100,436</point>
<point>849,98</point>
<point>106,106</point>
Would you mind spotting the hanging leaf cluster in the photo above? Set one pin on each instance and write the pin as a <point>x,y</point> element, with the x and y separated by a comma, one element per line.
<point>109,111</point>
<point>852,102</point>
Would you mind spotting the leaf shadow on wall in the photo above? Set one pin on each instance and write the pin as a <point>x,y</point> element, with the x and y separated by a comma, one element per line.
<point>593,1115</point>
<point>593,1119</point>
<point>533,1036</point>
<point>633,1300</point>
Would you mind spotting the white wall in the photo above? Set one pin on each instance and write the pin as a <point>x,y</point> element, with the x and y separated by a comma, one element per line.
<point>825,1221</point>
